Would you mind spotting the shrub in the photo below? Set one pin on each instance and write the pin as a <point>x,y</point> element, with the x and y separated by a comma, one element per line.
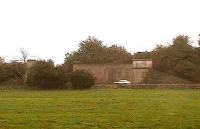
<point>82,80</point>
<point>195,75</point>
<point>11,71</point>
<point>44,75</point>
<point>3,73</point>
<point>185,69</point>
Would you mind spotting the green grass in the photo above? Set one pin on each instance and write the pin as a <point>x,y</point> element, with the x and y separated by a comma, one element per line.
<point>100,109</point>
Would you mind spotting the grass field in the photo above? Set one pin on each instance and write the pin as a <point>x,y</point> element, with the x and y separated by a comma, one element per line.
<point>100,109</point>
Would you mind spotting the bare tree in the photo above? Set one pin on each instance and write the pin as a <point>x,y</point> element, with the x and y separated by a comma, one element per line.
<point>24,55</point>
<point>21,66</point>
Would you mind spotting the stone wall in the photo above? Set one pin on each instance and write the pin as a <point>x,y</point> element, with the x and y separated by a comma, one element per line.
<point>108,73</point>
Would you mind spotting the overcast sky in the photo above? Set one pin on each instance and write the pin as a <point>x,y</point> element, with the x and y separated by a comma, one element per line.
<point>51,28</point>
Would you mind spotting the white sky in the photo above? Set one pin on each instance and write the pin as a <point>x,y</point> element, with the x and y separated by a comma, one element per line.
<point>51,28</point>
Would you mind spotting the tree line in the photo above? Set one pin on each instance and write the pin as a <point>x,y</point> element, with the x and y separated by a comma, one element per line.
<point>92,50</point>
<point>179,58</point>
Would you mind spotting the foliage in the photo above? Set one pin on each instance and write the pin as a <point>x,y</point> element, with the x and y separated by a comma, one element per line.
<point>142,55</point>
<point>179,58</point>
<point>45,75</point>
<point>92,50</point>
<point>82,80</point>
<point>11,71</point>
<point>117,54</point>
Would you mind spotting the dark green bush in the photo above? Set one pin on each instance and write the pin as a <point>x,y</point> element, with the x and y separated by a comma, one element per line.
<point>11,71</point>
<point>45,75</point>
<point>4,73</point>
<point>82,80</point>
<point>179,58</point>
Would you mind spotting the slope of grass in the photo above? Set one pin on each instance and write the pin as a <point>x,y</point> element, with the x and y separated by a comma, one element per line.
<point>100,109</point>
<point>156,77</point>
